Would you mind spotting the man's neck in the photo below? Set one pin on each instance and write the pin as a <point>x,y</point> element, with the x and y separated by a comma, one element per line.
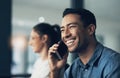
<point>86,55</point>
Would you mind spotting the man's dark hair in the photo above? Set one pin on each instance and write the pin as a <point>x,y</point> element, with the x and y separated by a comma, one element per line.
<point>87,17</point>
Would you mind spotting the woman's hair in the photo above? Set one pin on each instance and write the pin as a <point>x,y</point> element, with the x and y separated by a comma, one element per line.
<point>53,32</point>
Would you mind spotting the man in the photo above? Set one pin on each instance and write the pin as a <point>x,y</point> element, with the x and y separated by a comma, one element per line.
<point>94,61</point>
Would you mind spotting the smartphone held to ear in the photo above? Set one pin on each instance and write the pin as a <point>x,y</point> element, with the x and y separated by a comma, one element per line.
<point>62,50</point>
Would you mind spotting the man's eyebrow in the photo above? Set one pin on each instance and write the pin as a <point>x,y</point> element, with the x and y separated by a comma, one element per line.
<point>73,23</point>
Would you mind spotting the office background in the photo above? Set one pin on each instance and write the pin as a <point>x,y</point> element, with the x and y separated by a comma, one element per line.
<point>20,16</point>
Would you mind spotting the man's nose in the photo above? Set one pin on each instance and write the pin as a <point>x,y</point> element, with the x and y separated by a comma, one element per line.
<point>67,33</point>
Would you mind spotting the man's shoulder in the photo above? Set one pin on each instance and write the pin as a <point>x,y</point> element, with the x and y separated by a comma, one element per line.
<point>110,55</point>
<point>106,50</point>
<point>111,59</point>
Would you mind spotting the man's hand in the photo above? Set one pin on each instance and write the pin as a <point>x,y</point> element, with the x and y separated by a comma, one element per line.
<point>56,65</point>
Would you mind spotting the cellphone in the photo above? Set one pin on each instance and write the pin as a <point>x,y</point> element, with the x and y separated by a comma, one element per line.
<point>62,50</point>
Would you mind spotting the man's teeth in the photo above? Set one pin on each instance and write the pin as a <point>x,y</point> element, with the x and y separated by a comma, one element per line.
<point>69,42</point>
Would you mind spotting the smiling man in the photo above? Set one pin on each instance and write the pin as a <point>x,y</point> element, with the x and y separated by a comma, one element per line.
<point>95,60</point>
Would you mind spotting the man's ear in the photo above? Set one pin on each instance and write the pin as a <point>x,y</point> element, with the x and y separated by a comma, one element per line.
<point>91,29</point>
<point>44,38</point>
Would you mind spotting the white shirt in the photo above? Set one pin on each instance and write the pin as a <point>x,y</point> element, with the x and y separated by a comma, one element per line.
<point>41,69</point>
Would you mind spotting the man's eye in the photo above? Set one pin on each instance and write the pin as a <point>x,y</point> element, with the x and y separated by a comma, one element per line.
<point>72,26</point>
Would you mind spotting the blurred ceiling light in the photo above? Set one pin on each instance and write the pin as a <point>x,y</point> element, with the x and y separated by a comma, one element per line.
<point>41,19</point>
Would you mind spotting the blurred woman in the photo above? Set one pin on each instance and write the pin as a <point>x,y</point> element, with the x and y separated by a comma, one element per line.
<point>42,36</point>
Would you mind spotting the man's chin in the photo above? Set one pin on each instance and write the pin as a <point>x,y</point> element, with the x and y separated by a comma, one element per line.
<point>74,49</point>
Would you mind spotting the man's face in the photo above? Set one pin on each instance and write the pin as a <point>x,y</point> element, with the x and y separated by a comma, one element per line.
<point>73,33</point>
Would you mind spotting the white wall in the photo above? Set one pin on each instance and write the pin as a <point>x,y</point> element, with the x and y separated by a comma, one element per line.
<point>108,20</point>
